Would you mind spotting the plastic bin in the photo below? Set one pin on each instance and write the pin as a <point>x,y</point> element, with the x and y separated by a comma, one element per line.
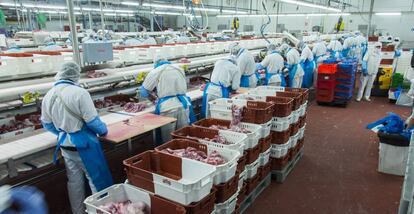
<point>228,207</point>
<point>174,178</point>
<point>302,132</point>
<point>205,206</point>
<point>279,163</point>
<point>252,154</point>
<point>266,127</point>
<point>227,189</point>
<point>224,172</point>
<point>264,157</point>
<point>279,150</point>
<point>237,141</point>
<point>282,105</point>
<point>252,169</point>
<point>242,193</point>
<point>294,128</point>
<point>326,81</point>
<point>280,137</point>
<point>297,98</point>
<point>327,68</point>
<point>324,95</point>
<point>265,143</point>
<point>254,129</point>
<point>252,183</point>
<point>303,91</point>
<point>241,163</point>
<point>280,126</point>
<point>126,192</point>
<point>265,170</point>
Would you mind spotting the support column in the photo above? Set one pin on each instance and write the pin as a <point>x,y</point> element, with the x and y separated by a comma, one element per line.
<point>73,32</point>
<point>371,8</point>
<point>102,15</point>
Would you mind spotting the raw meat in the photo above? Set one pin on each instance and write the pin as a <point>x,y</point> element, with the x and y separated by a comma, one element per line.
<point>232,128</point>
<point>135,107</point>
<point>95,74</point>
<point>12,126</point>
<point>236,113</point>
<point>214,158</point>
<point>126,207</point>
<point>220,139</point>
<point>106,103</point>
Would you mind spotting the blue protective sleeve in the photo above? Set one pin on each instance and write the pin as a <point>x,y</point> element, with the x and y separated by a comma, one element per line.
<point>97,126</point>
<point>397,53</point>
<point>143,92</point>
<point>28,200</point>
<point>259,66</point>
<point>364,67</point>
<point>51,128</point>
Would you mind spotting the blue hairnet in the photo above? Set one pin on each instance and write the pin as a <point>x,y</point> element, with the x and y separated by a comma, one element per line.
<point>159,57</point>
<point>69,71</point>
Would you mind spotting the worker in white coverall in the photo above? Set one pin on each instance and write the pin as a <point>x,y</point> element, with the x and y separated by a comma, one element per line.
<point>295,71</point>
<point>334,47</point>
<point>319,51</point>
<point>308,64</point>
<point>274,64</point>
<point>224,79</point>
<point>170,85</point>
<point>51,45</point>
<point>361,46</point>
<point>246,64</point>
<point>183,38</point>
<point>349,44</point>
<point>149,40</point>
<point>370,65</point>
<point>69,112</point>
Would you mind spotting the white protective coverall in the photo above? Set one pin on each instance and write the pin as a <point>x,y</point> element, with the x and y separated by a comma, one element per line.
<point>54,113</point>
<point>170,81</point>
<point>51,45</point>
<point>319,50</point>
<point>335,46</point>
<point>372,59</point>
<point>225,77</point>
<point>274,63</point>
<point>246,64</point>
<point>293,58</point>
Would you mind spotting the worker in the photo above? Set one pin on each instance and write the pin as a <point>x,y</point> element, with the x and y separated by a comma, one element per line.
<point>183,38</point>
<point>169,82</point>
<point>224,79</point>
<point>370,65</point>
<point>89,38</point>
<point>274,64</point>
<point>149,40</point>
<point>22,200</point>
<point>13,48</point>
<point>347,46</point>
<point>334,47</point>
<point>361,44</point>
<point>307,63</point>
<point>319,50</point>
<point>246,64</point>
<point>69,112</point>
<point>397,46</point>
<point>51,45</point>
<point>295,72</point>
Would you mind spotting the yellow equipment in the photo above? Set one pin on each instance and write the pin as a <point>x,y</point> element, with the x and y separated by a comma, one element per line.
<point>235,23</point>
<point>384,78</point>
<point>140,77</point>
<point>29,97</point>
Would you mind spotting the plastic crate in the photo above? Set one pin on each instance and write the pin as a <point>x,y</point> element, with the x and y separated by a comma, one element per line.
<point>241,163</point>
<point>279,150</point>
<point>242,178</point>
<point>227,189</point>
<point>327,68</point>
<point>254,129</point>
<point>303,91</point>
<point>302,121</point>
<point>224,172</point>
<point>253,112</point>
<point>280,126</point>
<point>264,157</point>
<point>265,143</point>
<point>174,178</point>
<point>282,105</point>
<point>295,116</point>
<point>126,192</point>
<point>279,163</point>
<point>344,87</point>
<point>236,140</point>
<point>324,95</point>
<point>294,128</point>
<point>294,140</point>
<point>265,170</point>
<point>252,154</point>
<point>252,183</point>
<point>228,207</point>
<point>297,98</point>
<point>343,95</point>
<point>242,193</point>
<point>303,108</point>
<point>205,206</point>
<point>280,137</point>
<point>252,169</point>
<point>345,81</point>
<point>326,81</point>
<point>266,127</point>
<point>340,75</point>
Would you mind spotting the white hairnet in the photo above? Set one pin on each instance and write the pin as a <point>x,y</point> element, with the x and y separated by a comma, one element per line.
<point>271,47</point>
<point>284,47</point>
<point>234,48</point>
<point>160,57</point>
<point>69,71</point>
<point>233,59</point>
<point>300,45</point>
<point>397,39</point>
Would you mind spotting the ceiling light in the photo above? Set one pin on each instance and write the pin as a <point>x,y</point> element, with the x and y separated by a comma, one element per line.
<point>163,6</point>
<point>44,6</point>
<point>9,4</point>
<point>130,3</point>
<point>167,13</point>
<point>302,3</point>
<point>389,14</point>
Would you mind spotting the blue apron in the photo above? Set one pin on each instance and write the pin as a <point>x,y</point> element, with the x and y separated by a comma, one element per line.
<point>90,151</point>
<point>245,80</point>
<point>183,100</point>
<point>345,52</point>
<point>308,67</point>
<point>270,75</point>
<point>292,72</point>
<point>225,92</point>
<point>364,50</point>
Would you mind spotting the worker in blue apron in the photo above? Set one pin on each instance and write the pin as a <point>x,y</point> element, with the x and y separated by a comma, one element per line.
<point>69,112</point>
<point>273,63</point>
<point>246,64</point>
<point>225,78</point>
<point>170,84</point>
<point>334,47</point>
<point>307,63</point>
<point>295,71</point>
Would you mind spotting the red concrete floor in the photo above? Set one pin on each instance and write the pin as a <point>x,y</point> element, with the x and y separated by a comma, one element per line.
<point>338,171</point>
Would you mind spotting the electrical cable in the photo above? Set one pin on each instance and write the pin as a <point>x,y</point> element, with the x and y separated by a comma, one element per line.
<point>192,18</point>
<point>263,27</point>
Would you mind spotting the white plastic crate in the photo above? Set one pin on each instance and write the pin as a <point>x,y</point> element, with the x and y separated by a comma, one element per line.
<point>116,193</point>
<point>294,140</point>
<point>250,97</point>
<point>226,207</point>
<point>302,132</point>
<point>279,150</point>
<point>268,88</point>
<point>303,108</point>
<point>264,157</point>
<point>296,115</point>
<point>280,126</point>
<point>254,135</point>
<point>221,108</point>
<point>242,178</point>
<point>226,171</point>
<point>283,119</point>
<point>237,141</point>
<point>8,66</point>
<point>252,169</point>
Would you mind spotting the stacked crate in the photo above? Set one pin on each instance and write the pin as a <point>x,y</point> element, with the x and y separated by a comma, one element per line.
<point>325,87</point>
<point>345,80</point>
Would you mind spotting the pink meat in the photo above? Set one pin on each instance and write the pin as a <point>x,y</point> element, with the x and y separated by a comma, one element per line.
<point>135,107</point>
<point>236,113</point>
<point>126,207</point>
<point>214,158</point>
<point>95,74</point>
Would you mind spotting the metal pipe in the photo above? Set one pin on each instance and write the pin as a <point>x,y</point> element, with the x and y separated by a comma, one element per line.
<point>102,15</point>
<point>90,20</point>
<point>371,8</point>
<point>72,24</point>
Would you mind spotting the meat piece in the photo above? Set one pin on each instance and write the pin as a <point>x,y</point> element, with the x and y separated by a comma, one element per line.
<point>220,139</point>
<point>95,74</point>
<point>214,158</point>
<point>135,107</point>
<point>126,207</point>
<point>236,113</point>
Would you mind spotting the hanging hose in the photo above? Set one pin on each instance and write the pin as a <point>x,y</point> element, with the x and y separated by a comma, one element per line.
<point>192,19</point>
<point>263,27</point>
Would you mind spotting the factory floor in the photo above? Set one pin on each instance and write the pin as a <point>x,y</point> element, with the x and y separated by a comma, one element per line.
<point>338,171</point>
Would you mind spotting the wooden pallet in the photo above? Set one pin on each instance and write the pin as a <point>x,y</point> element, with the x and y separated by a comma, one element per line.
<point>255,193</point>
<point>281,175</point>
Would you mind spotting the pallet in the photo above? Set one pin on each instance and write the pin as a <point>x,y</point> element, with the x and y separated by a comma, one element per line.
<point>334,103</point>
<point>255,193</point>
<point>281,175</point>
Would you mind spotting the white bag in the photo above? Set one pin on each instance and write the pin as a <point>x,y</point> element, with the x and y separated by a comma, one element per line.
<point>392,159</point>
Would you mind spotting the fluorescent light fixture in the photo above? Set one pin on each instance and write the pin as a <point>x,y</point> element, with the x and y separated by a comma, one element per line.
<point>389,14</point>
<point>55,7</point>
<point>283,15</point>
<point>130,3</point>
<point>306,4</point>
<point>294,15</point>
<point>167,13</point>
<point>339,14</point>
<point>163,6</point>
<point>8,4</point>
<point>109,14</point>
<point>196,9</point>
<point>52,12</point>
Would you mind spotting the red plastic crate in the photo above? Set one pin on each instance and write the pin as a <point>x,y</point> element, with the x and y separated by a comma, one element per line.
<point>326,81</point>
<point>325,95</point>
<point>327,68</point>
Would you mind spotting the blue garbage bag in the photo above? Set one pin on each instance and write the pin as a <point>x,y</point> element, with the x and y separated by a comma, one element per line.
<point>392,124</point>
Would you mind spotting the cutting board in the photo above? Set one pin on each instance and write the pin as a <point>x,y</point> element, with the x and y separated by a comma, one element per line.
<point>137,125</point>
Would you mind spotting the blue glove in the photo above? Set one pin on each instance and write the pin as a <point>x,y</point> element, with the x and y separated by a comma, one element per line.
<point>97,126</point>
<point>50,127</point>
<point>397,53</point>
<point>259,66</point>
<point>28,200</point>
<point>143,92</point>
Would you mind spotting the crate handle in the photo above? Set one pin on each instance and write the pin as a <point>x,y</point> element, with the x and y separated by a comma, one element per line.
<point>102,196</point>
<point>139,159</point>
